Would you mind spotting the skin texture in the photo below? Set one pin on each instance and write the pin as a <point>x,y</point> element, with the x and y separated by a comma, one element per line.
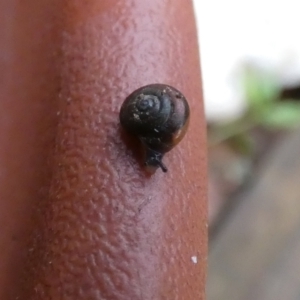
<point>80,217</point>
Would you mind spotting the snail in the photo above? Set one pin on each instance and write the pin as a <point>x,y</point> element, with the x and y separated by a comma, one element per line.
<point>158,115</point>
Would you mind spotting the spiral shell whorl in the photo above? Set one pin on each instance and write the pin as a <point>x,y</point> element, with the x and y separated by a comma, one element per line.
<point>145,109</point>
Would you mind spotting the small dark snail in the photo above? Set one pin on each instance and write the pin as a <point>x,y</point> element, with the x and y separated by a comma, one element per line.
<point>158,115</point>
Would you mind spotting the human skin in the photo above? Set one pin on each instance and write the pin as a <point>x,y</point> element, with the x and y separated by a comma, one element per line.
<point>80,218</point>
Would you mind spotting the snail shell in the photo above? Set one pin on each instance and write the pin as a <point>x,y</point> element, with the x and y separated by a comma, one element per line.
<point>158,115</point>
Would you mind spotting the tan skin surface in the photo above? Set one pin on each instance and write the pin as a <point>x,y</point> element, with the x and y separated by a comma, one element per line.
<point>91,224</point>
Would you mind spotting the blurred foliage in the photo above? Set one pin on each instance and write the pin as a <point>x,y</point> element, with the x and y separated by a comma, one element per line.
<point>262,94</point>
<point>265,110</point>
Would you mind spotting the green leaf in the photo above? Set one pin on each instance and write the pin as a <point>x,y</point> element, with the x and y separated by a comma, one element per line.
<point>281,116</point>
<point>261,88</point>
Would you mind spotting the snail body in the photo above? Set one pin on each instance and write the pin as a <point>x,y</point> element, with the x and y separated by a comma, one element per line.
<point>158,115</point>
